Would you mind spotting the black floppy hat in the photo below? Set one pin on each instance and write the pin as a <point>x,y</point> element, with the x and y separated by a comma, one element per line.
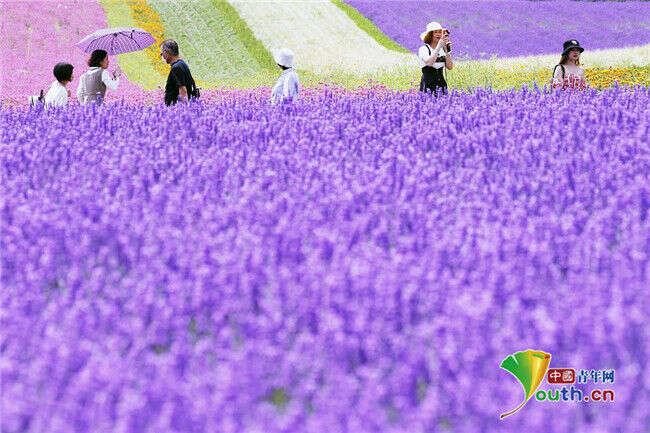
<point>569,45</point>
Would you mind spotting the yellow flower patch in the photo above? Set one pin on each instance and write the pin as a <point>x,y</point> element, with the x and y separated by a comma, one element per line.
<point>147,19</point>
<point>598,77</point>
<point>137,65</point>
<point>608,77</point>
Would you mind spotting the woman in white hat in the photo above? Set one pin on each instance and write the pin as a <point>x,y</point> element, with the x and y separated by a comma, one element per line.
<point>434,55</point>
<point>286,87</point>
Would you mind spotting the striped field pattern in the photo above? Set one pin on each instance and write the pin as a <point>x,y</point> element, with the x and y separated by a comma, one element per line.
<point>324,37</point>
<point>213,40</point>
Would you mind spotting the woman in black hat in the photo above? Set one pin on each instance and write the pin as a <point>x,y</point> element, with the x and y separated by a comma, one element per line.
<point>568,74</point>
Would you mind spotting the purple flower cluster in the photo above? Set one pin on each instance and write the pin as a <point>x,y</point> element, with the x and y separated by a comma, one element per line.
<point>511,28</point>
<point>358,263</point>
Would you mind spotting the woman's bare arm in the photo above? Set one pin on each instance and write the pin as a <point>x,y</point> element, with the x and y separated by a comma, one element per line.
<point>449,64</point>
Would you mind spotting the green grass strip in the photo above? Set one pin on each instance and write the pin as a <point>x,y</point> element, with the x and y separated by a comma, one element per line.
<point>367,26</point>
<point>215,42</point>
<point>254,46</point>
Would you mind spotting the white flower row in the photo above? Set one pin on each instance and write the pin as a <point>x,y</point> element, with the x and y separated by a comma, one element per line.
<point>630,56</point>
<point>323,38</point>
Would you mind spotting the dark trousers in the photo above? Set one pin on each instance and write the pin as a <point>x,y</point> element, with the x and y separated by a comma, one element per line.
<point>435,88</point>
<point>433,81</point>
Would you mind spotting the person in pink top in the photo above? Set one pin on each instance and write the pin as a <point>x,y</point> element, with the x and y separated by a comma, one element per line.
<point>568,74</point>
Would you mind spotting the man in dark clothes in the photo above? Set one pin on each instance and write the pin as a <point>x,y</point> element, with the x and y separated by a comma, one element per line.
<point>180,84</point>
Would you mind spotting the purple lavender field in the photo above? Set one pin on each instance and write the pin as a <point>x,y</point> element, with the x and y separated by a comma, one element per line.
<point>511,28</point>
<point>349,264</point>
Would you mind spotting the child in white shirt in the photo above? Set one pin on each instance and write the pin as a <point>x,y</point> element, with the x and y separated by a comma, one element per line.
<point>57,95</point>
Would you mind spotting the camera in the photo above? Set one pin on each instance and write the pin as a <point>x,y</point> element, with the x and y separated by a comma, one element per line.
<point>446,32</point>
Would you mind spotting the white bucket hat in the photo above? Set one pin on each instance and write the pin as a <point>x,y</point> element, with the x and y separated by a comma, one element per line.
<point>432,26</point>
<point>284,57</point>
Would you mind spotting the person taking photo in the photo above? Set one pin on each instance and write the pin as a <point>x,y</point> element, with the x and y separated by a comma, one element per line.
<point>435,55</point>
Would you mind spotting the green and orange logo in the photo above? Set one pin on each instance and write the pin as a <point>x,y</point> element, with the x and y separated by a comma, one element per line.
<point>529,367</point>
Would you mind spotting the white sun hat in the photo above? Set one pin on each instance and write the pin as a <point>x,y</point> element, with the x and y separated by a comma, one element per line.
<point>284,57</point>
<point>432,26</point>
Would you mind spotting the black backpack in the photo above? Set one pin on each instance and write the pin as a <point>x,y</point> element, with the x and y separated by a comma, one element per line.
<point>554,69</point>
<point>197,92</point>
<point>34,101</point>
<point>193,92</point>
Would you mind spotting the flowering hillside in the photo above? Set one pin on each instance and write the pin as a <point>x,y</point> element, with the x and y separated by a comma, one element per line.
<point>229,43</point>
<point>39,34</point>
<point>214,41</point>
<point>144,67</point>
<point>342,264</point>
<point>513,28</point>
<point>218,42</point>
<point>323,36</point>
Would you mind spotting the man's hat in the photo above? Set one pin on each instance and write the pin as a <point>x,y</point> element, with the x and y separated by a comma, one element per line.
<point>284,57</point>
<point>569,45</point>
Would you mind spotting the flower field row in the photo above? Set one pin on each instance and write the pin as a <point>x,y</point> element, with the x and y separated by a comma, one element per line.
<point>138,65</point>
<point>618,57</point>
<point>323,36</point>
<point>217,44</point>
<point>39,34</point>
<point>366,25</point>
<point>347,264</point>
<point>596,77</point>
<point>223,51</point>
<point>147,18</point>
<point>607,77</point>
<point>519,28</point>
<point>468,76</point>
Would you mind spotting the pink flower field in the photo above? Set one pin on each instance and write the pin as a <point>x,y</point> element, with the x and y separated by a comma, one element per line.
<point>39,34</point>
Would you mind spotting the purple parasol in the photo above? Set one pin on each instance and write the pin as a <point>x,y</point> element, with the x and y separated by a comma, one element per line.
<point>117,40</point>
